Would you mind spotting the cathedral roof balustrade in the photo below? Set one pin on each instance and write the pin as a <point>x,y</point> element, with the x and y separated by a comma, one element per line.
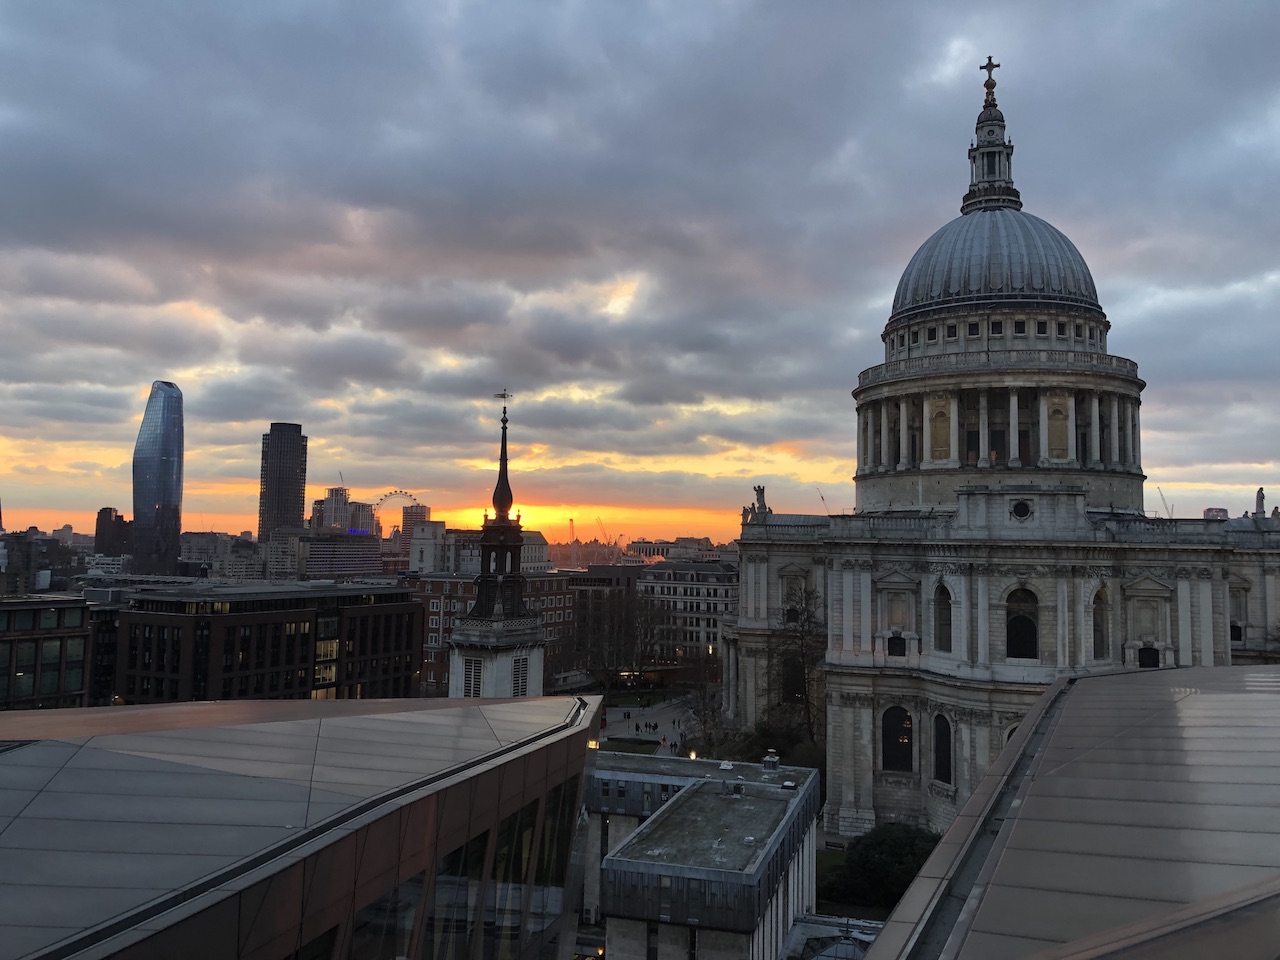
<point>998,361</point>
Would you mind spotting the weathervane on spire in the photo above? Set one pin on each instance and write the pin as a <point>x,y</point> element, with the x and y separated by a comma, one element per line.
<point>506,395</point>
<point>990,83</point>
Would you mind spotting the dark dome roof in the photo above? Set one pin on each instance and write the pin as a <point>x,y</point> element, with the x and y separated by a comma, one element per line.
<point>991,256</point>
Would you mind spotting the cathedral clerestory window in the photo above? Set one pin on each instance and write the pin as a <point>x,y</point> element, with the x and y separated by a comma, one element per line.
<point>895,752</point>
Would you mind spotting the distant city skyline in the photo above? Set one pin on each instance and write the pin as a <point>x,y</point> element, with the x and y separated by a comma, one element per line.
<point>672,232</point>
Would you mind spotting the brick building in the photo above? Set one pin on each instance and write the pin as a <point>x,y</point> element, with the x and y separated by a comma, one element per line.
<point>448,596</point>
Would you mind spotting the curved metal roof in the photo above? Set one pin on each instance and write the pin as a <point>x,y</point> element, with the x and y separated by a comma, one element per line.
<point>992,255</point>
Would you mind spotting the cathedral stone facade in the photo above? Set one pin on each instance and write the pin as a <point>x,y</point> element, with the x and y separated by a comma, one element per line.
<point>999,541</point>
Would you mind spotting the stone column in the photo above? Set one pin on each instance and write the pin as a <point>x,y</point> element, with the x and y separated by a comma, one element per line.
<point>1044,428</point>
<point>955,428</point>
<point>869,438</point>
<point>1137,434</point>
<point>1127,417</point>
<point>1064,624</point>
<point>884,435</point>
<point>846,616</point>
<point>1115,430</point>
<point>904,435</point>
<point>866,641</point>
<point>1013,428</point>
<point>926,431</point>
<point>1095,432</point>
<point>984,623</point>
<point>984,430</point>
<point>1071,428</point>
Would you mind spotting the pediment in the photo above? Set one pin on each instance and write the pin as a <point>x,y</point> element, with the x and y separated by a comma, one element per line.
<point>793,570</point>
<point>1238,582</point>
<point>896,578</point>
<point>1149,586</point>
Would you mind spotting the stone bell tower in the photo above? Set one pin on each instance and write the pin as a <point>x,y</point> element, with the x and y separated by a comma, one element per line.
<point>497,648</point>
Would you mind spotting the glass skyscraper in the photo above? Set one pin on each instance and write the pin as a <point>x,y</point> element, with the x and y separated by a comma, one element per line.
<point>282,493</point>
<point>157,482</point>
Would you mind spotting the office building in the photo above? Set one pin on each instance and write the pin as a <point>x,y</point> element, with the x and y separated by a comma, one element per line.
<point>45,644</point>
<point>157,482</point>
<point>320,641</point>
<point>688,600</point>
<point>111,533</point>
<point>282,486</point>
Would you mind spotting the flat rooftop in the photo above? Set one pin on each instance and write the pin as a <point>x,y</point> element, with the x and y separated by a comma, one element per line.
<point>1133,815</point>
<point>108,814</point>
<point>709,825</point>
<point>656,765</point>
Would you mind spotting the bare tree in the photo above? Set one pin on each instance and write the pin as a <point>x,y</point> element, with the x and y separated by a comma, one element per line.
<point>796,650</point>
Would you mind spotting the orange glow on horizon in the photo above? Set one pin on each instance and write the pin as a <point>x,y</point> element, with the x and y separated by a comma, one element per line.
<point>552,521</point>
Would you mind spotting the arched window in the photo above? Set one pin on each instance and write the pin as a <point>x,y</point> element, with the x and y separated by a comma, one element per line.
<point>941,749</point>
<point>942,619</point>
<point>1022,633</point>
<point>1100,645</point>
<point>896,740</point>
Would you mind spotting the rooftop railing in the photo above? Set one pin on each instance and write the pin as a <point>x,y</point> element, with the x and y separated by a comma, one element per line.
<point>1018,361</point>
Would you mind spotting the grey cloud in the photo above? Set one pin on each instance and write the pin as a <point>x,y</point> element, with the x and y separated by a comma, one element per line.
<point>362,193</point>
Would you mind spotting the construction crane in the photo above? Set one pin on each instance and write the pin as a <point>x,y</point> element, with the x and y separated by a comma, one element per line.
<point>607,540</point>
<point>1168,510</point>
<point>573,545</point>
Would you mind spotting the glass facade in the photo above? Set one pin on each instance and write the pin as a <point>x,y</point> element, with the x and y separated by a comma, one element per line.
<point>282,490</point>
<point>157,482</point>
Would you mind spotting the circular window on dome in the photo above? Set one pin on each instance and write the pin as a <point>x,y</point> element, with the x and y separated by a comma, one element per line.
<point>1021,510</point>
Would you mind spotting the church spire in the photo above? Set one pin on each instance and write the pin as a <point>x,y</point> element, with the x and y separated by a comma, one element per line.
<point>990,156</point>
<point>502,496</point>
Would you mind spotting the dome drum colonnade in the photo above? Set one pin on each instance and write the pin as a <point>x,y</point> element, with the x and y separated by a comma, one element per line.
<point>996,359</point>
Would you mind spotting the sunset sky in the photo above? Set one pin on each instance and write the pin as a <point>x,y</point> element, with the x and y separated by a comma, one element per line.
<point>671,230</point>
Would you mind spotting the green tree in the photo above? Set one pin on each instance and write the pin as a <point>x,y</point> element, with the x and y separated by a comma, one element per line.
<point>796,650</point>
<point>880,865</point>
